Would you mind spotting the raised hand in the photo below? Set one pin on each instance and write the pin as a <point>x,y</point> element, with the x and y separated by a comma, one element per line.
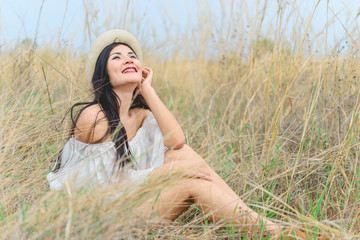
<point>147,74</point>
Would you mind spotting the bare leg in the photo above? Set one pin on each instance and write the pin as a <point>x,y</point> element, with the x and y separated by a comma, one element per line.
<point>188,154</point>
<point>210,198</point>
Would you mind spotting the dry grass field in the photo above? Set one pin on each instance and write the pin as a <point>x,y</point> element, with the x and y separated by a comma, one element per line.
<point>278,122</point>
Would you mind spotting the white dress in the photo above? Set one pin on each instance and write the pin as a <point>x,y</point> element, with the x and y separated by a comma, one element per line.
<point>93,164</point>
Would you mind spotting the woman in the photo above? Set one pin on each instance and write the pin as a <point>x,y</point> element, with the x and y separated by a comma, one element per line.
<point>127,129</point>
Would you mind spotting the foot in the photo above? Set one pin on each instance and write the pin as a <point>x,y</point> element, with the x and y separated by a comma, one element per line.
<point>298,235</point>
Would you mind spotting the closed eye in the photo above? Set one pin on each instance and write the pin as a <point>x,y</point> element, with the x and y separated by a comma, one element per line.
<point>116,57</point>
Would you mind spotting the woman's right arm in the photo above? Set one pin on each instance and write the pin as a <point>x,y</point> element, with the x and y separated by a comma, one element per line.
<point>91,125</point>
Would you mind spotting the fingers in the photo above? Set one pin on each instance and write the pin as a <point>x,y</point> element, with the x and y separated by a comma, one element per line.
<point>200,174</point>
<point>194,171</point>
<point>204,177</point>
<point>204,172</point>
<point>146,71</point>
<point>147,75</point>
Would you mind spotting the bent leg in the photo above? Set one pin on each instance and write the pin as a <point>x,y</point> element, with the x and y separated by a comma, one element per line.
<point>208,197</point>
<point>186,153</point>
<point>168,204</point>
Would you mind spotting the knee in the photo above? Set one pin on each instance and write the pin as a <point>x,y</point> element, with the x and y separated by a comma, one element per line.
<point>187,149</point>
<point>193,158</point>
<point>184,153</point>
<point>191,154</point>
<point>187,154</point>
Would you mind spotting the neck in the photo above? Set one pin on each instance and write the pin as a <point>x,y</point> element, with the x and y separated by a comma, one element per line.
<point>125,95</point>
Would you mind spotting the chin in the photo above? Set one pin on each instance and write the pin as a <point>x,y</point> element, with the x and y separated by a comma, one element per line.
<point>126,82</point>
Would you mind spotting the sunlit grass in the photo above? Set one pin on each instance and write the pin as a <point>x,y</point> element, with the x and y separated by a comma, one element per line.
<point>279,126</point>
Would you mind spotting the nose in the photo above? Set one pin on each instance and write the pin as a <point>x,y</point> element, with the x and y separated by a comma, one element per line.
<point>128,60</point>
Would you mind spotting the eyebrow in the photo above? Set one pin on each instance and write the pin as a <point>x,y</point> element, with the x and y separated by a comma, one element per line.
<point>119,53</point>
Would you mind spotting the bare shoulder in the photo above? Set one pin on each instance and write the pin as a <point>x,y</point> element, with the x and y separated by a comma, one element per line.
<point>91,125</point>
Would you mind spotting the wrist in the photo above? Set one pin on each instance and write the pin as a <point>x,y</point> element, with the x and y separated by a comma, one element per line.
<point>146,89</point>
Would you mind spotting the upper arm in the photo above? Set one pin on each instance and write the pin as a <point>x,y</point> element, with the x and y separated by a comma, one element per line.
<point>177,141</point>
<point>91,125</point>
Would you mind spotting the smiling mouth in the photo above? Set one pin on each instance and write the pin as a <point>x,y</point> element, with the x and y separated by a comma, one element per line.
<point>130,69</point>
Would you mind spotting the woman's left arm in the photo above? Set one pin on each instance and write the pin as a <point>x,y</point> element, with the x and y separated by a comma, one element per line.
<point>171,130</point>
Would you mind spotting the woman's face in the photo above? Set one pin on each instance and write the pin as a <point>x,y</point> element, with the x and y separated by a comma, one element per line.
<point>123,67</point>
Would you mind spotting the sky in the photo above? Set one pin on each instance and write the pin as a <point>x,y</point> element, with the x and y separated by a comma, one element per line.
<point>62,22</point>
<point>64,19</point>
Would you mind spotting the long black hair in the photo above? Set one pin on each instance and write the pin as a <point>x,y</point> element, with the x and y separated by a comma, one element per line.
<point>109,103</point>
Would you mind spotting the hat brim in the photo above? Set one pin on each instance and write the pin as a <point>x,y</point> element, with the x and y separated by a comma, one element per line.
<point>105,39</point>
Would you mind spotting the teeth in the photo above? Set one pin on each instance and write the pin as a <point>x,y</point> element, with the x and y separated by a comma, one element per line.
<point>129,69</point>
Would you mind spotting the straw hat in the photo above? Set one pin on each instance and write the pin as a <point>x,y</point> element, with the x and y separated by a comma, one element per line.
<point>105,39</point>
